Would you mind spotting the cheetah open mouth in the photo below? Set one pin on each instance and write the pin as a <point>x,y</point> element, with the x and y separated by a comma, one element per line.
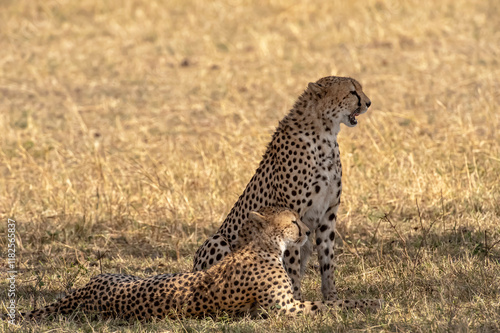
<point>352,117</point>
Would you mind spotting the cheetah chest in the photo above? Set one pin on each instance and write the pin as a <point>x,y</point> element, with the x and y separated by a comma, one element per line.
<point>327,188</point>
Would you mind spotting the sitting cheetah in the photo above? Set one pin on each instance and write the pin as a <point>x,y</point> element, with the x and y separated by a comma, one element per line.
<point>243,281</point>
<point>300,170</point>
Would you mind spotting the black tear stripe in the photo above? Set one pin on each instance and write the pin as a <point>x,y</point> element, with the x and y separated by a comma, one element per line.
<point>355,93</point>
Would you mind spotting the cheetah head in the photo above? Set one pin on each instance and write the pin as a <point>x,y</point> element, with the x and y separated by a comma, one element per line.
<point>282,224</point>
<point>340,98</point>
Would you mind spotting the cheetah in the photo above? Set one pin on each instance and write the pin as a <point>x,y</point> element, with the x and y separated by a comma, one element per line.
<point>300,170</point>
<point>248,280</point>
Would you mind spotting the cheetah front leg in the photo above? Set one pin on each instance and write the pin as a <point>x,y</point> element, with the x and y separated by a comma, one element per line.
<point>292,264</point>
<point>292,307</point>
<point>314,307</point>
<point>325,245</point>
<point>275,298</point>
<point>295,261</point>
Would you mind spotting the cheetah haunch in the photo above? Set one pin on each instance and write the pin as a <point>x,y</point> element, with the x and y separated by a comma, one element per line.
<point>300,170</point>
<point>243,281</point>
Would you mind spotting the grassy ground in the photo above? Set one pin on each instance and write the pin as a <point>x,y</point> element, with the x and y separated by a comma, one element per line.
<point>129,128</point>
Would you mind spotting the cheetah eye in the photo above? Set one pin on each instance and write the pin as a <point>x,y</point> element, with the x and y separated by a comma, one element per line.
<point>294,222</point>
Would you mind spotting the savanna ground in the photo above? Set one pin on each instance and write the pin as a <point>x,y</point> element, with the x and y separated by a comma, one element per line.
<point>129,128</point>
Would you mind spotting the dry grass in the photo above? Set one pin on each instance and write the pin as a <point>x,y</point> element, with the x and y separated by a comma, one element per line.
<point>129,128</point>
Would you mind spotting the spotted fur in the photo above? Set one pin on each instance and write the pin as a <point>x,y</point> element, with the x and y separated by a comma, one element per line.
<point>300,170</point>
<point>246,281</point>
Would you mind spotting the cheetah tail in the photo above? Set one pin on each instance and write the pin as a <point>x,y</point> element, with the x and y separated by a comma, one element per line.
<point>63,306</point>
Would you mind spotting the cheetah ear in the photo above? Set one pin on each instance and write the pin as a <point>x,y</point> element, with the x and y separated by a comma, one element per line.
<point>257,218</point>
<point>315,88</point>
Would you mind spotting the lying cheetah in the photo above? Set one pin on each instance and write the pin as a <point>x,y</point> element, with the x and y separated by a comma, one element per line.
<point>300,170</point>
<point>243,282</point>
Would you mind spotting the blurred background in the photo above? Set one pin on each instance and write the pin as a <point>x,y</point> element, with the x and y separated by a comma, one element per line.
<point>129,128</point>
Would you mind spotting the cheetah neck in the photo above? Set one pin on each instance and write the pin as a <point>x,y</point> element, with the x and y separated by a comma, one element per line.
<point>307,122</point>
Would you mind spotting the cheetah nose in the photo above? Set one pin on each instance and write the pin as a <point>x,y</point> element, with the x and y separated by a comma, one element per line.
<point>308,232</point>
<point>368,104</point>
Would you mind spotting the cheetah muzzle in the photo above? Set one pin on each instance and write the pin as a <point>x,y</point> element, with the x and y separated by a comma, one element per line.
<point>352,117</point>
